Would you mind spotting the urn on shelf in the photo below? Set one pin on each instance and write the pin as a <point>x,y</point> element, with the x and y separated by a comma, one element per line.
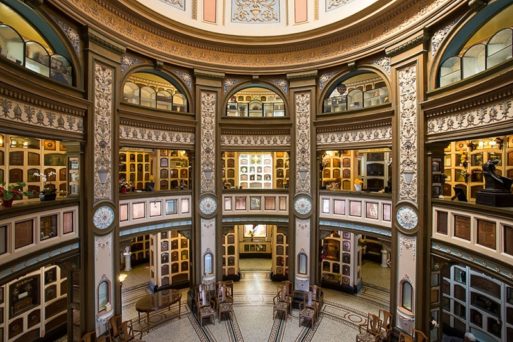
<point>49,193</point>
<point>358,183</point>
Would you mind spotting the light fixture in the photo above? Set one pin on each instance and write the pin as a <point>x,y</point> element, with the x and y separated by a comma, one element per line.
<point>408,176</point>
<point>122,277</point>
<point>102,174</point>
<point>208,172</point>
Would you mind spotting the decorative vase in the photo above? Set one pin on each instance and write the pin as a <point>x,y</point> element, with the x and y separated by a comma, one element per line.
<point>358,187</point>
<point>7,203</point>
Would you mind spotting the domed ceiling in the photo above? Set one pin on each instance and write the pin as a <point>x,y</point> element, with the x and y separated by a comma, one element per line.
<point>257,18</point>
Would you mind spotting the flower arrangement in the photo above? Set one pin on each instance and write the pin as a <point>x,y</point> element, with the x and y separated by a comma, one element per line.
<point>124,185</point>
<point>11,192</point>
<point>358,181</point>
<point>49,192</point>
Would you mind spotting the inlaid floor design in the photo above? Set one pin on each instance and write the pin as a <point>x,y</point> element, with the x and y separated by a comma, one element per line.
<point>252,318</point>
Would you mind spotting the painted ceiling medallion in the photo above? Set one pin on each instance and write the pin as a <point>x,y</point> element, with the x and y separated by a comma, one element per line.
<point>407,217</point>
<point>303,205</point>
<point>103,217</point>
<point>208,205</point>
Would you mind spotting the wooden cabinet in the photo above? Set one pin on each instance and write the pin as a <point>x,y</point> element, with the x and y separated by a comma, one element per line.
<point>173,170</point>
<point>170,259</point>
<point>280,253</point>
<point>135,166</point>
<point>230,256</point>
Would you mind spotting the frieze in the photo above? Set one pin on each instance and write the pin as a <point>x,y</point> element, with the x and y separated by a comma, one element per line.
<point>477,117</point>
<point>383,63</point>
<point>303,129</point>
<point>372,32</point>
<point>208,141</point>
<point>255,11</point>
<point>407,79</point>
<point>325,78</point>
<point>438,37</point>
<point>355,136</point>
<point>255,140</point>
<point>70,33</point>
<point>155,135</point>
<point>16,111</point>
<point>185,76</point>
<point>179,4</point>
<point>103,107</point>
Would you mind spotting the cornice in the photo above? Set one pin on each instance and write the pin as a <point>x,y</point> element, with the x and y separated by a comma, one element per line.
<point>208,74</point>
<point>268,131</point>
<point>419,38</point>
<point>302,75</point>
<point>363,37</point>
<point>353,127</point>
<point>107,43</point>
<point>155,125</point>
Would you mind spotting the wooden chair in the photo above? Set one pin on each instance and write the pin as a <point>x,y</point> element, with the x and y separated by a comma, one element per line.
<point>127,333</point>
<point>371,330</point>
<point>115,326</point>
<point>88,336</point>
<point>405,337</point>
<point>420,336</point>
<point>386,324</point>
<point>204,307</point>
<point>281,303</point>
<point>318,295</point>
<point>308,310</point>
<point>224,301</point>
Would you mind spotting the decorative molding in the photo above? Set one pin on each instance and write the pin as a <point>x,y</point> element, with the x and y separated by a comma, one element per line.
<point>255,11</point>
<point>106,43</point>
<point>230,83</point>
<point>132,133</point>
<point>281,84</point>
<point>303,139</point>
<point>473,258</point>
<point>355,136</point>
<point>439,35</point>
<point>408,132</point>
<point>103,107</point>
<point>397,49</point>
<point>354,226</point>
<point>334,4</point>
<point>407,243</point>
<point>255,140</point>
<point>20,112</point>
<point>325,78</point>
<point>383,63</point>
<point>185,76</point>
<point>476,117</point>
<point>128,60</point>
<point>71,33</point>
<point>178,4</point>
<point>208,141</point>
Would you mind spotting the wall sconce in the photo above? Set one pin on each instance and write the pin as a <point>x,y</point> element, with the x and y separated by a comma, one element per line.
<point>208,172</point>
<point>122,277</point>
<point>102,174</point>
<point>408,176</point>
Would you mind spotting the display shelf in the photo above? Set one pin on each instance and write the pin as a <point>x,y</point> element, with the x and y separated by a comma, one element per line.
<point>229,169</point>
<point>172,259</point>
<point>374,170</point>
<point>337,172</point>
<point>135,166</point>
<point>173,170</point>
<point>280,254</point>
<point>140,249</point>
<point>230,255</point>
<point>341,260</point>
<point>281,170</point>
<point>256,171</point>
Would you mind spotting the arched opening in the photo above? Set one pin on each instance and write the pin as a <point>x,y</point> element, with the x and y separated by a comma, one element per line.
<point>255,102</point>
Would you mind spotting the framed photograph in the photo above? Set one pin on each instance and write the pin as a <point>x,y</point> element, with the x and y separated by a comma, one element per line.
<point>387,212</point>
<point>339,207</point>
<point>355,208</point>
<point>346,162</point>
<point>270,203</point>
<point>371,210</point>
<point>255,203</point>
<point>164,162</point>
<point>476,159</point>
<point>138,210</point>
<point>346,246</point>
<point>326,205</point>
<point>240,203</point>
<point>346,235</point>
<point>228,203</point>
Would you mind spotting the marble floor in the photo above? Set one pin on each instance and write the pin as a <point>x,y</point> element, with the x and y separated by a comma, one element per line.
<point>253,310</point>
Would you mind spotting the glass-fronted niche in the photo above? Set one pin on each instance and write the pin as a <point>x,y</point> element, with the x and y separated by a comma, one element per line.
<point>356,170</point>
<point>466,300</point>
<point>44,166</point>
<point>490,46</point>
<point>461,169</point>
<point>150,90</point>
<point>151,169</point>
<point>22,44</point>
<point>255,102</point>
<point>361,91</point>
<point>255,170</point>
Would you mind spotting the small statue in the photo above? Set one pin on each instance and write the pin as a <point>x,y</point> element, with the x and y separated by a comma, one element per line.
<point>459,194</point>
<point>494,182</point>
<point>497,191</point>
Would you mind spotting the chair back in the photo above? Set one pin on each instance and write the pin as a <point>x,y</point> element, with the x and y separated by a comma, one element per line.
<point>287,284</point>
<point>405,338</point>
<point>386,319</point>
<point>115,325</point>
<point>373,324</point>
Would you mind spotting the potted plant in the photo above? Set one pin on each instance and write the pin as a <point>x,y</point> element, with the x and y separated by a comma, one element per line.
<point>11,192</point>
<point>358,183</point>
<point>124,186</point>
<point>49,193</point>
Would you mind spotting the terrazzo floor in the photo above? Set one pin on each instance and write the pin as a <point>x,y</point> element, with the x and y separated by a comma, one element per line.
<point>253,310</point>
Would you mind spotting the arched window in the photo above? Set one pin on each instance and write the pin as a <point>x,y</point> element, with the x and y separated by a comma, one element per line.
<point>104,295</point>
<point>450,71</point>
<point>255,102</point>
<point>361,89</point>
<point>499,48</point>
<point>407,295</point>
<point>37,58</point>
<point>131,93</point>
<point>208,262</point>
<point>148,97</point>
<point>11,44</point>
<point>302,263</point>
<point>149,89</point>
